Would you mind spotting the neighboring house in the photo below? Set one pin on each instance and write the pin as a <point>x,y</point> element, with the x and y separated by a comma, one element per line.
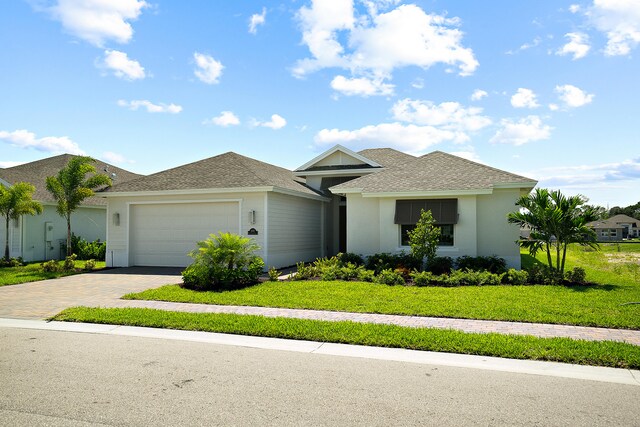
<point>341,200</point>
<point>616,228</point>
<point>40,237</point>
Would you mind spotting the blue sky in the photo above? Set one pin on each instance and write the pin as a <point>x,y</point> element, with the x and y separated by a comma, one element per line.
<point>548,89</point>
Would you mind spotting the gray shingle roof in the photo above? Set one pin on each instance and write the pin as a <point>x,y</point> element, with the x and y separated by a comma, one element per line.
<point>387,157</point>
<point>228,170</point>
<point>436,171</point>
<point>37,172</point>
<point>614,222</point>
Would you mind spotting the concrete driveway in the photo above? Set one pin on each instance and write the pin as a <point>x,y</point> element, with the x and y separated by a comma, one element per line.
<point>39,300</point>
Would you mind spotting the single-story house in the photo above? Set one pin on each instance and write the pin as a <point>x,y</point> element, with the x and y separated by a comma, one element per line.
<point>362,202</point>
<point>41,237</point>
<point>616,228</point>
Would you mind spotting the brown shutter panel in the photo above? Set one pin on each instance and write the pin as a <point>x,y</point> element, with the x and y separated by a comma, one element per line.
<point>444,211</point>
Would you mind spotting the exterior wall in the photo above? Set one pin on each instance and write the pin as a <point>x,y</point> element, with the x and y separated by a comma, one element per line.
<point>295,230</point>
<point>338,158</point>
<point>482,228</point>
<point>118,254</point>
<point>495,235</point>
<point>86,222</point>
<point>605,234</point>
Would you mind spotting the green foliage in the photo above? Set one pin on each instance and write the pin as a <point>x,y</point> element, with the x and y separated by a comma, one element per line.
<point>16,201</point>
<point>69,263</point>
<point>90,264</point>
<point>385,261</point>
<point>516,277</point>
<point>51,266</point>
<point>12,262</point>
<point>87,250</point>
<point>349,257</point>
<point>303,272</point>
<point>540,274</point>
<point>365,275</point>
<point>423,239</point>
<point>555,222</point>
<point>577,275</point>
<point>273,274</point>
<point>440,265</point>
<point>72,185</point>
<point>389,277</point>
<point>631,210</point>
<point>493,263</point>
<point>223,261</point>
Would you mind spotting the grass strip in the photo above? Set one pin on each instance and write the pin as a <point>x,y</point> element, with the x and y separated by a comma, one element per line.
<point>604,353</point>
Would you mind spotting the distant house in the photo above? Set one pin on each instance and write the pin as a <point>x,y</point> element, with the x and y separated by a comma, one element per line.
<point>340,201</point>
<point>40,237</point>
<point>616,228</point>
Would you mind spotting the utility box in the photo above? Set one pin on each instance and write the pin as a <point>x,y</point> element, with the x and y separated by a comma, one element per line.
<point>48,231</point>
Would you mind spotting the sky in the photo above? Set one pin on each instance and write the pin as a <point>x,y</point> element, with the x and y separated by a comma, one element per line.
<point>547,89</point>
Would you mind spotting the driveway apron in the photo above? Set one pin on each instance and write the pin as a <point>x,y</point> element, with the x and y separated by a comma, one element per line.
<point>39,300</point>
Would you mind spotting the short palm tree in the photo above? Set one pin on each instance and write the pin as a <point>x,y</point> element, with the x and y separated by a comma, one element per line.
<point>74,183</point>
<point>16,201</point>
<point>555,221</point>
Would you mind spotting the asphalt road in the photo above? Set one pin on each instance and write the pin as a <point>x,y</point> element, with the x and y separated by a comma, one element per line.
<point>57,378</point>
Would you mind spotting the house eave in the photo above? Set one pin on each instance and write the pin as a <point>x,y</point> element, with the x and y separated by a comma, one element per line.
<point>199,191</point>
<point>329,152</point>
<point>510,185</point>
<point>337,172</point>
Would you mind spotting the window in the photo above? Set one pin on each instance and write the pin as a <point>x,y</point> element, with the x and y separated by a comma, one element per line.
<point>446,234</point>
<point>444,211</point>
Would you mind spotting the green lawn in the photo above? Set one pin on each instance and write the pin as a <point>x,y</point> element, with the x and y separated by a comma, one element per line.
<point>604,353</point>
<point>596,305</point>
<point>33,272</point>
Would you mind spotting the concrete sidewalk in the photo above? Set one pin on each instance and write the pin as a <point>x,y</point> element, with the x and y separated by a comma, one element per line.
<point>465,325</point>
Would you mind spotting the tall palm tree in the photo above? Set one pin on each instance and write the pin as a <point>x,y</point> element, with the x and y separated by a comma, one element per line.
<point>16,201</point>
<point>555,221</point>
<point>74,183</point>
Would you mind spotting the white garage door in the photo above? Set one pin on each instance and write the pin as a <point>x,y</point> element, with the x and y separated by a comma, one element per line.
<point>163,234</point>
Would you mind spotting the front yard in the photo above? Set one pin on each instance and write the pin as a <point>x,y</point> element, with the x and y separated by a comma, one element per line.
<point>603,304</point>
<point>34,272</point>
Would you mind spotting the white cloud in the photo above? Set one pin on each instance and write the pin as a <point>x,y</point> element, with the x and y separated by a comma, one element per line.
<point>409,138</point>
<point>98,21</point>
<point>572,96</point>
<point>526,46</point>
<point>225,119</point>
<point>115,158</point>
<point>121,66</point>
<point>51,144</point>
<point>574,8</point>
<point>586,176</point>
<point>418,83</point>
<point>520,132</point>
<point>619,20</point>
<point>478,94</point>
<point>256,20</point>
<point>150,107</point>
<point>10,164</point>
<point>276,122</point>
<point>372,44</point>
<point>468,153</point>
<point>362,86</point>
<point>450,116</point>
<point>524,98</point>
<point>578,46</point>
<point>554,107</point>
<point>208,69</point>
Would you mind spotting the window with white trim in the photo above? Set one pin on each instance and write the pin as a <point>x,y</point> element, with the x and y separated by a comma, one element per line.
<point>444,212</point>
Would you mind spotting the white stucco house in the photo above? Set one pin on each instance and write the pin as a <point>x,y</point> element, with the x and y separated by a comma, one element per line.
<point>362,202</point>
<point>40,237</point>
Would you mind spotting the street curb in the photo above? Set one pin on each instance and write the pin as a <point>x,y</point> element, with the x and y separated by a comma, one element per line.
<point>532,367</point>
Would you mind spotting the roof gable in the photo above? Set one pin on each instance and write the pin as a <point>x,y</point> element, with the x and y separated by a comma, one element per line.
<point>228,170</point>
<point>338,157</point>
<point>387,157</point>
<point>436,172</point>
<point>37,172</point>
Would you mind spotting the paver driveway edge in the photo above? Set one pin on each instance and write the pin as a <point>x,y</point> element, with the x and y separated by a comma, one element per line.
<point>554,369</point>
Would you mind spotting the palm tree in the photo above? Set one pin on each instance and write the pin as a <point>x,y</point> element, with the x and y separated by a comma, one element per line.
<point>16,201</point>
<point>555,222</point>
<point>74,183</point>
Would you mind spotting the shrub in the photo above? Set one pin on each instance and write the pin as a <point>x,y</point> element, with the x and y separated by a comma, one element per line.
<point>90,264</point>
<point>224,261</point>
<point>440,265</point>
<point>87,250</point>
<point>50,266</point>
<point>474,278</point>
<point>365,275</point>
<point>303,272</point>
<point>422,278</point>
<point>389,277</point>
<point>69,263</point>
<point>349,271</point>
<point>273,274</point>
<point>540,274</point>
<point>328,273</point>
<point>516,277</point>
<point>386,261</point>
<point>493,263</point>
<point>423,239</point>
<point>351,258</point>
<point>577,275</point>
<point>12,262</point>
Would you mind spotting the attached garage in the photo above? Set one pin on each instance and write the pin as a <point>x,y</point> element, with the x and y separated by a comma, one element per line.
<point>162,234</point>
